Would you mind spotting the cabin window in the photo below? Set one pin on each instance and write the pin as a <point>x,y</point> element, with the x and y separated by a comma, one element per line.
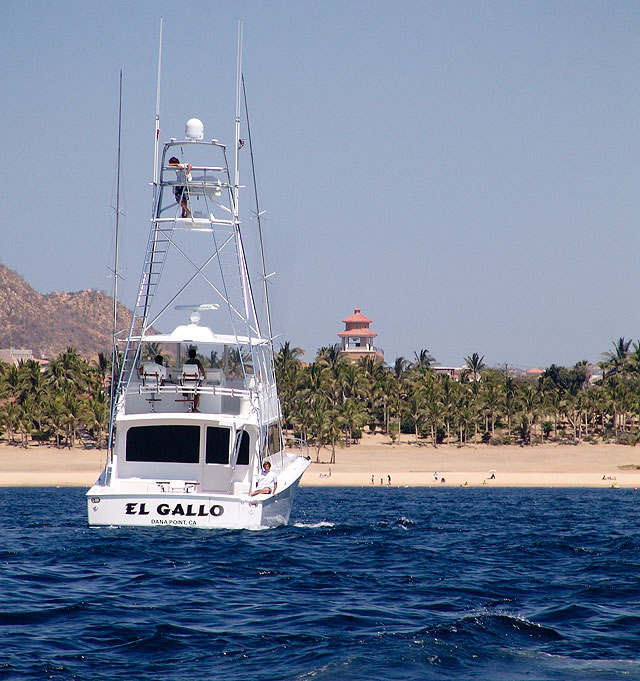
<point>274,438</point>
<point>164,444</point>
<point>217,445</point>
<point>243,448</point>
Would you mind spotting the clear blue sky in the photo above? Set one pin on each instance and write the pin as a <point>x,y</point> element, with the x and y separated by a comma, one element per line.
<point>466,173</point>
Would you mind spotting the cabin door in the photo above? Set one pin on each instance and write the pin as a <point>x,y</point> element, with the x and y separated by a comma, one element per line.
<point>216,473</point>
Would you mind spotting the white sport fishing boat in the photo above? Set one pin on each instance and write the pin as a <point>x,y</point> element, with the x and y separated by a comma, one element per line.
<point>187,446</point>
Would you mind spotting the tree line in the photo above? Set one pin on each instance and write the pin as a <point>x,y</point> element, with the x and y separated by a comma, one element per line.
<point>329,401</point>
<point>66,401</point>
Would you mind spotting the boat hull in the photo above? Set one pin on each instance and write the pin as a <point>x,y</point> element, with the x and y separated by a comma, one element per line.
<point>206,511</point>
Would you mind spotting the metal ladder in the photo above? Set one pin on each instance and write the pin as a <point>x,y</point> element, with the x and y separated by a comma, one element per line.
<point>157,249</point>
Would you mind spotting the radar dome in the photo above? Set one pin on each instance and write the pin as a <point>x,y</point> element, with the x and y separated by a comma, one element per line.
<point>194,129</point>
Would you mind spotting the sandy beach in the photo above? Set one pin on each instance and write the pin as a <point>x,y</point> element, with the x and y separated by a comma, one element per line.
<point>406,463</point>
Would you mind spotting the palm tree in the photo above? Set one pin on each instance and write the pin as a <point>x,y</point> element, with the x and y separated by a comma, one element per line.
<point>464,416</point>
<point>433,412</point>
<point>475,364</point>
<point>633,359</point>
<point>351,379</point>
<point>329,357</point>
<point>613,362</point>
<point>422,359</point>
<point>384,389</point>
<point>287,362</point>
<point>353,414</point>
<point>492,400</point>
<point>552,402</point>
<point>288,375</point>
<point>529,401</point>
<point>93,414</point>
<point>400,366</point>
<point>319,422</point>
<point>9,417</point>
<point>416,407</point>
<point>449,391</point>
<point>510,392</point>
<point>71,411</point>
<point>25,421</point>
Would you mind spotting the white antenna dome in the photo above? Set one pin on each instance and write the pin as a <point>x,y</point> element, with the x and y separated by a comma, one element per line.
<point>194,129</point>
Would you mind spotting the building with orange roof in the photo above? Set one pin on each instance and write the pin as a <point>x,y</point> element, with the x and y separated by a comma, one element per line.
<point>357,338</point>
<point>534,371</point>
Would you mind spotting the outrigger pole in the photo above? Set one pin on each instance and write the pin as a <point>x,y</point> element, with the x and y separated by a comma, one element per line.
<point>157,134</point>
<point>114,347</point>
<point>265,276</point>
<point>247,294</point>
<point>236,171</point>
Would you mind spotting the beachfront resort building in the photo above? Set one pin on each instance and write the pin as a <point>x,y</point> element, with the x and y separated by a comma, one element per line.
<point>15,355</point>
<point>357,338</point>
<point>455,373</point>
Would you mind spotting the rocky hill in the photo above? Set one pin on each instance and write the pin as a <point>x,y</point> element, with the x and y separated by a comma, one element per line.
<point>49,324</point>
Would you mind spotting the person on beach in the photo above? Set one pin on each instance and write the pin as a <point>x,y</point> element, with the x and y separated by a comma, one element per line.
<point>267,482</point>
<point>181,190</point>
<point>373,480</point>
<point>388,479</point>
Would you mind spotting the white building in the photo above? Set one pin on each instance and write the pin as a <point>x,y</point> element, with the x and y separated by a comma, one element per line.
<point>15,355</point>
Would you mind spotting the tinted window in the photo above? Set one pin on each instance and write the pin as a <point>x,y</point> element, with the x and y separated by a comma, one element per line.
<point>164,444</point>
<point>274,438</point>
<point>243,451</point>
<point>217,445</point>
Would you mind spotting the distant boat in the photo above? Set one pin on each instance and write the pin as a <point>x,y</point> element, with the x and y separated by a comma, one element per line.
<point>190,437</point>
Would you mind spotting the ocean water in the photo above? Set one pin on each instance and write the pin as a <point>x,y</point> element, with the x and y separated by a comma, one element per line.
<point>364,584</point>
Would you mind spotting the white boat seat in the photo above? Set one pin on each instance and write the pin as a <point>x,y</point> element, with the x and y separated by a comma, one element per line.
<point>190,375</point>
<point>153,374</point>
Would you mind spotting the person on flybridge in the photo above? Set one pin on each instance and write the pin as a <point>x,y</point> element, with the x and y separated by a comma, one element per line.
<point>155,369</point>
<point>200,373</point>
<point>181,190</point>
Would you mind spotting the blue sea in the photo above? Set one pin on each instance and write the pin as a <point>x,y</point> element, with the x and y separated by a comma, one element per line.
<point>364,584</point>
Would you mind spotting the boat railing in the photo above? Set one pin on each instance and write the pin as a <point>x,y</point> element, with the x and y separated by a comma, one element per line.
<point>298,443</point>
<point>174,389</point>
<point>193,221</point>
<point>207,178</point>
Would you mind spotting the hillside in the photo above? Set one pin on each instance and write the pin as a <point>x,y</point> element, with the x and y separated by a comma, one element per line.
<point>49,324</point>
